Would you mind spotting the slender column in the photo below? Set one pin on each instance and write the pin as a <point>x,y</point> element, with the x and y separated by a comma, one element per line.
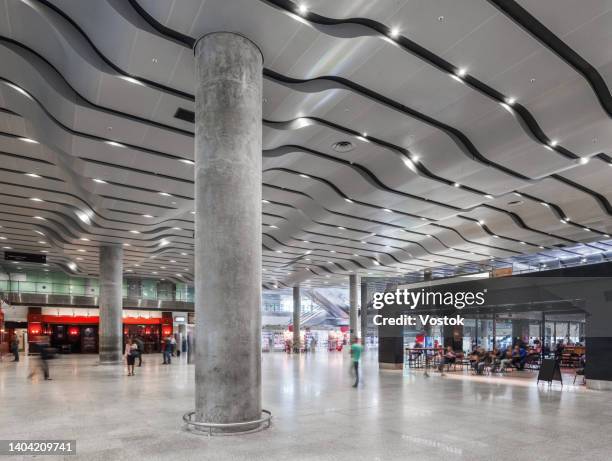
<point>297,311</point>
<point>111,300</point>
<point>364,311</point>
<point>353,325</point>
<point>228,177</point>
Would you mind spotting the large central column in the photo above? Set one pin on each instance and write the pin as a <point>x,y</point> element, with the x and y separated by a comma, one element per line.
<point>111,300</point>
<point>228,134</point>
<point>353,326</point>
<point>297,311</point>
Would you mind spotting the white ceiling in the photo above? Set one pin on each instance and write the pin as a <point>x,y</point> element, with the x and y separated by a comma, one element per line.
<point>442,151</point>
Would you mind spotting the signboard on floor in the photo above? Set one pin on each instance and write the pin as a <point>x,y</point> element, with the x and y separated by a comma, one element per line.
<point>550,371</point>
<point>25,257</point>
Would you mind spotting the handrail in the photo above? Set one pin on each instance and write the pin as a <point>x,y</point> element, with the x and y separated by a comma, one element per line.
<point>222,428</point>
<point>76,289</point>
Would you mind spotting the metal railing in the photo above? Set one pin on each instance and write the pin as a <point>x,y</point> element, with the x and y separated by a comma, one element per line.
<point>75,289</point>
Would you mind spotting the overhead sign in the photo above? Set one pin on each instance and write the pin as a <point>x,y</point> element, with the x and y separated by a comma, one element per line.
<point>25,257</point>
<point>502,272</point>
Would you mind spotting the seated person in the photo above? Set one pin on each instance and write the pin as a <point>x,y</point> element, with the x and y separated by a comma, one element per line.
<point>495,359</point>
<point>506,360</point>
<point>486,359</point>
<point>446,358</point>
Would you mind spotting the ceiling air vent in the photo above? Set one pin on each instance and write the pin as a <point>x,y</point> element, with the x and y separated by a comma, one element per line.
<point>343,146</point>
<point>185,115</point>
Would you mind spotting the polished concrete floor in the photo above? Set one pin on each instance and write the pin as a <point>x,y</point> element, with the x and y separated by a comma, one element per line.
<point>317,414</point>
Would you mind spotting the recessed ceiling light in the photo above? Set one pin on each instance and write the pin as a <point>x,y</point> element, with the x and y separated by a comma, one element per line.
<point>42,242</point>
<point>129,270</point>
<point>387,210</point>
<point>522,243</point>
<point>586,229</point>
<point>193,212</point>
<point>495,236</point>
<point>364,134</point>
<point>179,275</point>
<point>584,160</point>
<point>343,146</point>
<point>183,254</point>
<point>461,72</point>
<point>7,248</point>
<point>134,232</point>
<point>34,199</point>
<point>31,141</point>
<point>304,176</point>
<point>394,32</point>
<point>82,250</point>
<point>84,239</point>
<point>114,143</point>
<point>176,228</point>
<point>302,9</point>
<point>553,143</point>
<point>541,247</point>
<point>489,196</point>
<point>456,184</point>
<point>154,273</point>
<point>279,251</point>
<point>44,251</point>
<point>187,161</point>
<point>131,80</point>
<point>341,228</point>
<point>264,201</point>
<point>165,194</point>
<point>545,204</point>
<point>32,175</point>
<point>40,218</point>
<point>99,181</point>
<point>273,226</point>
<point>510,101</point>
<point>147,216</point>
<point>2,238</point>
<point>376,263</point>
<point>606,236</point>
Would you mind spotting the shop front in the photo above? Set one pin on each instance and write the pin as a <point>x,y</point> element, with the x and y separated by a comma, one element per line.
<point>77,332</point>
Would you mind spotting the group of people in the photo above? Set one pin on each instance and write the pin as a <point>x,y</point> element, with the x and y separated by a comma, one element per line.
<point>497,360</point>
<point>134,348</point>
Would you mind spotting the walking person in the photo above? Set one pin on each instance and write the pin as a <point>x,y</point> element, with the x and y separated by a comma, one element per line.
<point>43,345</point>
<point>356,349</point>
<point>139,350</point>
<point>15,348</point>
<point>131,351</point>
<point>167,351</point>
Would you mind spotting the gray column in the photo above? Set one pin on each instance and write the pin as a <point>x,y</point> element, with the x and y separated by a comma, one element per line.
<point>228,132</point>
<point>111,300</point>
<point>297,311</point>
<point>364,311</point>
<point>353,325</point>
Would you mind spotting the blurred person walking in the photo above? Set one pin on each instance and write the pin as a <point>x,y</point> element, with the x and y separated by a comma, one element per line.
<point>356,350</point>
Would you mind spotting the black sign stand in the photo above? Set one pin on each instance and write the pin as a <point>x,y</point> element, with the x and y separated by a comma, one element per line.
<point>550,371</point>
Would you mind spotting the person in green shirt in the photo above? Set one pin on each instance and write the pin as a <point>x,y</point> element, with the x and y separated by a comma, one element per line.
<point>356,349</point>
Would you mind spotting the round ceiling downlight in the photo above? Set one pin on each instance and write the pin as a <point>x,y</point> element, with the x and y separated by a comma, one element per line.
<point>343,146</point>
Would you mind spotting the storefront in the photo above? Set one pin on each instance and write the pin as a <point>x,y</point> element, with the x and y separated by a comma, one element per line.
<point>76,330</point>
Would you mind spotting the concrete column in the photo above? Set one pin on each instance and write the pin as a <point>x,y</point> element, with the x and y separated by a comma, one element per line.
<point>228,176</point>
<point>111,300</point>
<point>297,311</point>
<point>364,311</point>
<point>353,325</point>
